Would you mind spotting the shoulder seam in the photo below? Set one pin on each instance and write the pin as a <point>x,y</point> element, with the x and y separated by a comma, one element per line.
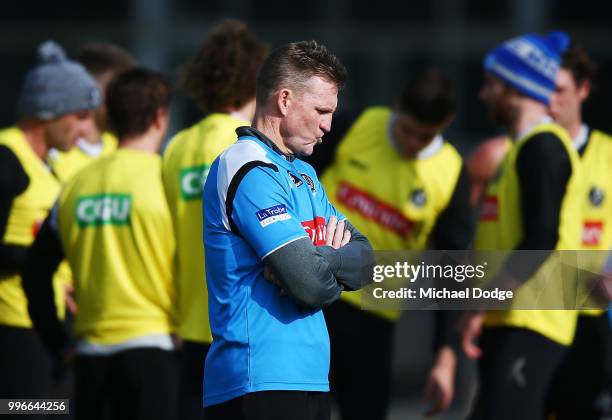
<point>233,187</point>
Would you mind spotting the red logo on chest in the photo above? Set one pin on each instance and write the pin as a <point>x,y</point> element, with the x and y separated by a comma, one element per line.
<point>591,232</point>
<point>372,208</point>
<point>36,227</point>
<point>489,209</point>
<point>315,229</point>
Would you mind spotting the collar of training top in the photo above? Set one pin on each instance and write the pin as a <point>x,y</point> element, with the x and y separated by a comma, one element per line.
<point>253,132</point>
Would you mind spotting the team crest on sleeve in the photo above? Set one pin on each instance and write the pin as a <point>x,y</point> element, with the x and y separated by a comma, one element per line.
<point>309,181</point>
<point>596,196</point>
<point>273,214</point>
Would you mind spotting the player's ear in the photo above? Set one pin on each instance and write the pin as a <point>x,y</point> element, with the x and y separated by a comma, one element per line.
<point>283,100</point>
<point>584,89</point>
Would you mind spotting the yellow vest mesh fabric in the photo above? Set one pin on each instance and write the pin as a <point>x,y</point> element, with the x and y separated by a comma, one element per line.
<point>186,162</point>
<point>597,201</point>
<point>393,201</point>
<point>117,234</point>
<point>504,232</point>
<point>28,212</point>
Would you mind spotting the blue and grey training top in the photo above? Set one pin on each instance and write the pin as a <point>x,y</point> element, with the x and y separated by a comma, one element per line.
<point>264,207</point>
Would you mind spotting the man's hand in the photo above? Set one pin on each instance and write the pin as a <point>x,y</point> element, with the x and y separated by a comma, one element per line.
<point>336,235</point>
<point>470,328</point>
<point>601,286</point>
<point>70,302</point>
<point>440,386</point>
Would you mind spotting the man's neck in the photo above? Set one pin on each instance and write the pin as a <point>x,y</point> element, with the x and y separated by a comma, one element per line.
<point>34,133</point>
<point>244,112</point>
<point>95,136</point>
<point>270,126</point>
<point>148,142</point>
<point>530,113</point>
<point>574,127</point>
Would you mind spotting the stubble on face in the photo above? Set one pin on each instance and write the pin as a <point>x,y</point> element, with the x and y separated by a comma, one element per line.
<point>63,132</point>
<point>311,115</point>
<point>498,100</point>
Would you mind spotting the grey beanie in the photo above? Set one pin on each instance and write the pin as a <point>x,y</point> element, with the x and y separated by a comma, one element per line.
<point>57,86</point>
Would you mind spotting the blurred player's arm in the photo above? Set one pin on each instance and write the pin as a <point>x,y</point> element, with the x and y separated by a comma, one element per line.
<point>43,259</point>
<point>13,182</point>
<point>454,230</point>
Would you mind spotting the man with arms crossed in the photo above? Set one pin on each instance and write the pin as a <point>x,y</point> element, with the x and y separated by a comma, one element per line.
<point>221,78</point>
<point>264,207</point>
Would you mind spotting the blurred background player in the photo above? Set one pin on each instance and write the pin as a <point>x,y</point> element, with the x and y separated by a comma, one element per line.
<point>585,371</point>
<point>103,61</point>
<point>113,225</point>
<point>525,208</point>
<point>405,188</point>
<point>55,106</point>
<point>221,78</point>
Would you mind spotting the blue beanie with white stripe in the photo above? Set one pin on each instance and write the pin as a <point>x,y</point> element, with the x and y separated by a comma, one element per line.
<point>529,63</point>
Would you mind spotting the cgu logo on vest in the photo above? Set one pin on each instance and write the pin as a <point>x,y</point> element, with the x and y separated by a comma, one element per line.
<point>192,181</point>
<point>103,209</point>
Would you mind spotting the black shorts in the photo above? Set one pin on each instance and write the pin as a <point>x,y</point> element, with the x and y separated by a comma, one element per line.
<point>135,384</point>
<point>273,405</point>
<point>515,372</point>
<point>25,366</point>
<point>585,373</point>
<point>361,355</point>
<point>192,357</point>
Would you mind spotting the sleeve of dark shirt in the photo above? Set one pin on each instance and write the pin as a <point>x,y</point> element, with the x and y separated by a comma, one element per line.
<point>352,264</point>
<point>454,230</point>
<point>44,256</point>
<point>544,168</point>
<point>13,182</point>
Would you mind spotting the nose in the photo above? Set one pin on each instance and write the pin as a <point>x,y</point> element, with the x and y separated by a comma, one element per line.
<point>325,125</point>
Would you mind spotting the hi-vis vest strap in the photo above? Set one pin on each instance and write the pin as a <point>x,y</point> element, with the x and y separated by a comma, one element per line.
<point>501,228</point>
<point>393,201</point>
<point>26,215</point>
<point>597,201</point>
